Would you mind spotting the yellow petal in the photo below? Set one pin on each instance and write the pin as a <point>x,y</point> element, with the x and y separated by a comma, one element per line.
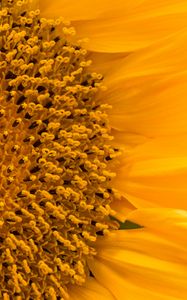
<point>105,63</point>
<point>150,108</point>
<point>78,10</point>
<point>145,263</point>
<point>91,290</point>
<point>142,91</point>
<point>126,140</point>
<point>155,173</point>
<point>137,25</point>
<point>123,27</point>
<point>161,58</point>
<point>122,207</point>
<point>173,224</point>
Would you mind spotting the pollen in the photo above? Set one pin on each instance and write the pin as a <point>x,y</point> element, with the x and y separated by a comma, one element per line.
<point>56,157</point>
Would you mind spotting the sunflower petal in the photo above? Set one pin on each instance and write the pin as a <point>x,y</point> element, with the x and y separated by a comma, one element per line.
<point>155,173</point>
<point>122,208</point>
<point>161,58</point>
<point>173,223</point>
<point>78,10</point>
<point>145,263</point>
<point>124,27</point>
<point>90,290</point>
<point>149,80</point>
<point>150,107</point>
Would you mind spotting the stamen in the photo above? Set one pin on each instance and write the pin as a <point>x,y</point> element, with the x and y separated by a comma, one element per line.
<point>56,157</point>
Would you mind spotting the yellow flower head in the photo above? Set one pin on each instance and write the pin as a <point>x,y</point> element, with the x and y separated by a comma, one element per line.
<point>64,136</point>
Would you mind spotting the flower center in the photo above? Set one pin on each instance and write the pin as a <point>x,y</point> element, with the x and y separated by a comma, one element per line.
<point>55,189</point>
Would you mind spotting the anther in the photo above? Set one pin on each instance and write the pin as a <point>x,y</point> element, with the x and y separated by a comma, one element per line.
<point>27,116</point>
<point>52,29</point>
<point>37,143</point>
<point>57,39</point>
<point>9,88</point>
<point>35,169</point>
<point>33,125</point>
<point>10,75</point>
<point>23,160</point>
<point>2,112</point>
<point>15,148</point>
<point>28,139</point>
<point>41,88</point>
<point>21,100</point>
<point>5,134</point>
<point>38,74</point>
<point>9,98</point>
<point>23,13</point>
<point>16,122</point>
<point>20,109</point>
<point>48,104</point>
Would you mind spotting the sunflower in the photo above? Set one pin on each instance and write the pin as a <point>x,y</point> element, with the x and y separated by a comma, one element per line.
<point>91,136</point>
